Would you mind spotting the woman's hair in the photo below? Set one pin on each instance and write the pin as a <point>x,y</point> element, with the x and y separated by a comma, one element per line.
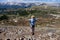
<point>32,16</point>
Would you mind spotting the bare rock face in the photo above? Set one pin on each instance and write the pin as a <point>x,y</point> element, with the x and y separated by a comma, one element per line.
<point>2,30</point>
<point>24,33</point>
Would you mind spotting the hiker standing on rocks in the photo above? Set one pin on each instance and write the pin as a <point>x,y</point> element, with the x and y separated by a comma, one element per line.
<point>32,23</point>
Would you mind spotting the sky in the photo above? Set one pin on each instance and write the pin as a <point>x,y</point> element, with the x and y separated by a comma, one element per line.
<point>27,1</point>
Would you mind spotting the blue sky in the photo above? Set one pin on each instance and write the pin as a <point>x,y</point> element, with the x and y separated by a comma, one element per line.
<point>51,1</point>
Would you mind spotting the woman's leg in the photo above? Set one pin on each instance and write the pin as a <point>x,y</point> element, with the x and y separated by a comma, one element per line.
<point>33,28</point>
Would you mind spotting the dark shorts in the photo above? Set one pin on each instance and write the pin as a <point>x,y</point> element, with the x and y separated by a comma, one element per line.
<point>33,26</point>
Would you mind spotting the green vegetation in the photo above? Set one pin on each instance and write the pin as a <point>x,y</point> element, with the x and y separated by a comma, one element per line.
<point>4,17</point>
<point>36,10</point>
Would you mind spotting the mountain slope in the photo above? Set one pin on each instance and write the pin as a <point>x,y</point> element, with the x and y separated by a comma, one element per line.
<point>25,5</point>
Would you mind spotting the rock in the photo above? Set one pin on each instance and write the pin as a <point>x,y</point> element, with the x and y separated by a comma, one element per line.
<point>8,39</point>
<point>2,30</point>
<point>19,31</point>
<point>23,34</point>
<point>1,39</point>
<point>50,34</point>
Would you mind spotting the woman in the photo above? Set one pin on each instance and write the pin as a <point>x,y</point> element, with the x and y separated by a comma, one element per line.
<point>32,23</point>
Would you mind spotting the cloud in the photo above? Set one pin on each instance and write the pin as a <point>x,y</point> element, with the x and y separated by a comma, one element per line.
<point>15,0</point>
<point>30,1</point>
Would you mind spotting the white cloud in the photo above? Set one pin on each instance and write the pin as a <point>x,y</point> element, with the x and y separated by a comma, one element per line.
<point>31,1</point>
<point>9,0</point>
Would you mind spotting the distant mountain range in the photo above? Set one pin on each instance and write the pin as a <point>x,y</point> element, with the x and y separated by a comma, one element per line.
<point>25,5</point>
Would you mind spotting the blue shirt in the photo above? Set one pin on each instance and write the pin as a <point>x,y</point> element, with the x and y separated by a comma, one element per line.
<point>32,21</point>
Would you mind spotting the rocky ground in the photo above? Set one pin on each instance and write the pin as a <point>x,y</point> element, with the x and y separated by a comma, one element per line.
<point>24,33</point>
